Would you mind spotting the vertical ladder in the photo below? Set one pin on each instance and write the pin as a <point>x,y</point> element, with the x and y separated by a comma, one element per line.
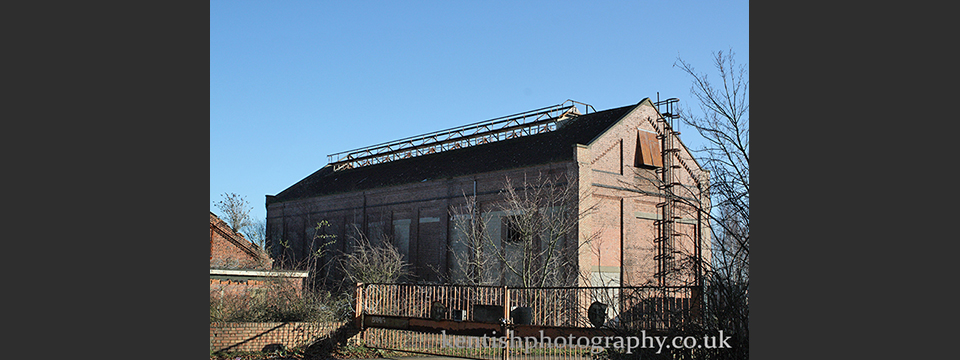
<point>666,240</point>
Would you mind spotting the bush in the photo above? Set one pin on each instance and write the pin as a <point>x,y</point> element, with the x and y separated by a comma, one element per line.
<point>278,302</point>
<point>369,262</point>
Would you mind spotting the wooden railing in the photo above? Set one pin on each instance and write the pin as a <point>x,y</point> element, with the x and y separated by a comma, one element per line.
<point>424,318</point>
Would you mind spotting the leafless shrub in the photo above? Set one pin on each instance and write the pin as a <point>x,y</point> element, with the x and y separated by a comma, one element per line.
<point>373,263</point>
<point>540,243</point>
<point>276,301</point>
<point>256,232</point>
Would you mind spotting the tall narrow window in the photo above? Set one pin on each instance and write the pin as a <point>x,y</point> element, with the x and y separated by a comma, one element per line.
<point>513,233</point>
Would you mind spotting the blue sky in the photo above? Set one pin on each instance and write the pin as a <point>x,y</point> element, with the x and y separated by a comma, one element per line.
<point>294,81</point>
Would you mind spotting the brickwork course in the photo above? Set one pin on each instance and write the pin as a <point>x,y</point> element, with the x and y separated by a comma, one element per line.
<point>263,336</point>
<point>614,156</point>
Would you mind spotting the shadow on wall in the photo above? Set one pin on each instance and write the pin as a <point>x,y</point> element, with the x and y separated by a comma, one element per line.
<point>324,347</point>
<point>287,335</point>
<point>273,348</point>
<point>237,346</point>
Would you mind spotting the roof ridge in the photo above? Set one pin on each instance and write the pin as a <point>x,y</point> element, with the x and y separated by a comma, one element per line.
<point>530,150</point>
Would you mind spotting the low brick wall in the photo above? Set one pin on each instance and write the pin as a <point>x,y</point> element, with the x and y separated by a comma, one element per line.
<point>257,336</point>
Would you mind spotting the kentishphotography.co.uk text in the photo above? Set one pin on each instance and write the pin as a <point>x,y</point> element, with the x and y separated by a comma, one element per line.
<point>596,344</point>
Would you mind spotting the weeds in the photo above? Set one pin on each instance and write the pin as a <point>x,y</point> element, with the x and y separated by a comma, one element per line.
<point>278,302</point>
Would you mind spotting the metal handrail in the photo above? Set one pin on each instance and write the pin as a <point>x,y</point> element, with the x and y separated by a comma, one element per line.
<point>508,123</point>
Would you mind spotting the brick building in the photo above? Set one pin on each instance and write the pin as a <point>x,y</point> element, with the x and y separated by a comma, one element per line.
<point>237,265</point>
<point>626,161</point>
<point>231,250</point>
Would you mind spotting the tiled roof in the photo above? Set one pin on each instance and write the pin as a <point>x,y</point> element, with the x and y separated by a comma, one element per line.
<point>544,148</point>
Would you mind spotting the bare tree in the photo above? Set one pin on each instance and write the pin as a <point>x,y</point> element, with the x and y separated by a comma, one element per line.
<point>723,121</point>
<point>256,232</point>
<point>235,210</point>
<point>470,252</point>
<point>537,245</point>
<point>373,263</point>
<point>720,196</point>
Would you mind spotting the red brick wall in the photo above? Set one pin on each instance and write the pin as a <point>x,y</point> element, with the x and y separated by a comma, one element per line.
<point>226,254</point>
<point>237,287</point>
<point>424,207</point>
<point>255,336</point>
<point>606,169</point>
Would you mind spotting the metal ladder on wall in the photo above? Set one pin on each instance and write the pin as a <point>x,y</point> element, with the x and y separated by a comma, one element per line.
<point>665,242</point>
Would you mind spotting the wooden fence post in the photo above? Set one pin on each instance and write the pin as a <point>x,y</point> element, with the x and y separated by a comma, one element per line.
<point>505,322</point>
<point>358,307</point>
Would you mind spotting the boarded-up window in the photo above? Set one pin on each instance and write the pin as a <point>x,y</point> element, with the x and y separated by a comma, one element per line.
<point>401,237</point>
<point>429,249</point>
<point>375,232</point>
<point>648,150</point>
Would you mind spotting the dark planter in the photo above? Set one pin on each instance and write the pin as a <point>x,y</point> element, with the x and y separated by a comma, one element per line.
<point>522,315</point>
<point>597,313</point>
<point>488,313</point>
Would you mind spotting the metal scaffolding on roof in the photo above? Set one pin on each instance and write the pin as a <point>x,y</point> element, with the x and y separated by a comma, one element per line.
<point>507,127</point>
